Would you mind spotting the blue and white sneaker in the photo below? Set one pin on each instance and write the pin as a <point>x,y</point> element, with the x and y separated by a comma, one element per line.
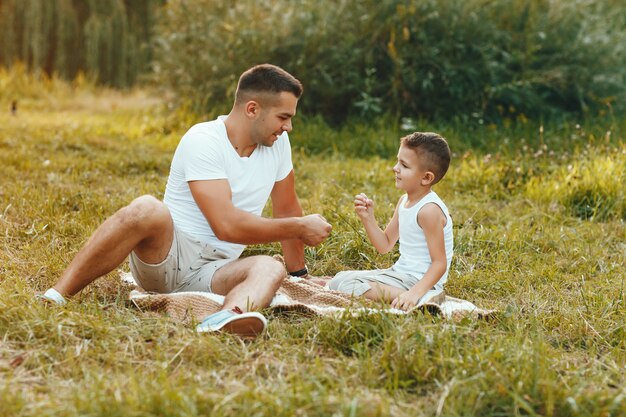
<point>246,325</point>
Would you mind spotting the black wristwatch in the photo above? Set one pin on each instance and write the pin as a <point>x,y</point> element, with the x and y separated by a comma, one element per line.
<point>300,273</point>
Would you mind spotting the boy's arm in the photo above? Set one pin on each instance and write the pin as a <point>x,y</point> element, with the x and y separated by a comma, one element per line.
<point>385,240</point>
<point>432,221</point>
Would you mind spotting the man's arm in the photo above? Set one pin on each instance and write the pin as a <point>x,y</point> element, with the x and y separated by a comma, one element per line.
<point>214,198</point>
<point>285,204</point>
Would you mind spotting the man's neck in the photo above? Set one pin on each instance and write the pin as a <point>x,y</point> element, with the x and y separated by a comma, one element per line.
<point>238,135</point>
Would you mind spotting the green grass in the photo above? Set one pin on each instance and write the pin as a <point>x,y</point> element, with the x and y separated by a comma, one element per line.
<point>539,233</point>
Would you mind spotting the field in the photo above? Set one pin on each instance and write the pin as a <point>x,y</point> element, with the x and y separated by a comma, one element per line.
<point>539,236</point>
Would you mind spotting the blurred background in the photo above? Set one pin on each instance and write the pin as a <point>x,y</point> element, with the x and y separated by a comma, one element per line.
<point>471,61</point>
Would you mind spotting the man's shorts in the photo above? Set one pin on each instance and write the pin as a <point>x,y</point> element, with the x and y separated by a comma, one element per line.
<point>189,266</point>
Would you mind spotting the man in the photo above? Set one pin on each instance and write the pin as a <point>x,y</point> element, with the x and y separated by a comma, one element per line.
<point>221,176</point>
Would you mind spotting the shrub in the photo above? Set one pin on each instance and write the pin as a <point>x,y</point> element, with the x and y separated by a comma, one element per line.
<point>502,59</point>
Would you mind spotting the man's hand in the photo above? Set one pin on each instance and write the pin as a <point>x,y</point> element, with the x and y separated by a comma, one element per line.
<point>406,301</point>
<point>363,206</point>
<point>316,229</point>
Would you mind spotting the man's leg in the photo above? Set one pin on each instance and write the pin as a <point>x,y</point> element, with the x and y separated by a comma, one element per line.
<point>249,283</point>
<point>145,226</point>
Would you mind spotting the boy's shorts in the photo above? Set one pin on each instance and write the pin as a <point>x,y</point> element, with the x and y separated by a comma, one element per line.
<point>359,282</point>
<point>189,266</point>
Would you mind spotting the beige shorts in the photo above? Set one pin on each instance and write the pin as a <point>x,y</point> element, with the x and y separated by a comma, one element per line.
<point>359,282</point>
<point>189,266</point>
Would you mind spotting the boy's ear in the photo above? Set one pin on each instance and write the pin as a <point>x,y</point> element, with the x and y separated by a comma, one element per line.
<point>428,178</point>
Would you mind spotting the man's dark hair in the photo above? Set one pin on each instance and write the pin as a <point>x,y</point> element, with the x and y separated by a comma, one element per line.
<point>432,149</point>
<point>266,78</point>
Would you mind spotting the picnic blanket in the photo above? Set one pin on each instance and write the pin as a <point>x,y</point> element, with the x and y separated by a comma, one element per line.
<point>297,295</point>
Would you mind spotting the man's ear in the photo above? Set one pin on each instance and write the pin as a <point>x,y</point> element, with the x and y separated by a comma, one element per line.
<point>252,109</point>
<point>428,178</point>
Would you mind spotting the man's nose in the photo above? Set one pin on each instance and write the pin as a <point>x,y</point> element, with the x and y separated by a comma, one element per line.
<point>287,126</point>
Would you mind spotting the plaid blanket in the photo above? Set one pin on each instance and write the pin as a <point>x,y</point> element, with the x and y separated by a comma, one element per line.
<point>297,295</point>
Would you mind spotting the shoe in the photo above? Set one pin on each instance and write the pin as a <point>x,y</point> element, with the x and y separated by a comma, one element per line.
<point>246,325</point>
<point>52,296</point>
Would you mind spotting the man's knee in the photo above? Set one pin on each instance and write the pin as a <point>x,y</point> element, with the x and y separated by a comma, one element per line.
<point>145,212</point>
<point>273,269</point>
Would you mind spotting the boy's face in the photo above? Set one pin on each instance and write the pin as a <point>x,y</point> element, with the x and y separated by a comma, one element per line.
<point>411,172</point>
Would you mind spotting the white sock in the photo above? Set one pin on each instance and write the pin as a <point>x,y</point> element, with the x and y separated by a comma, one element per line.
<point>55,296</point>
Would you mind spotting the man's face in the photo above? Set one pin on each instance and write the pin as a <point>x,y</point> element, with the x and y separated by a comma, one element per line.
<point>274,118</point>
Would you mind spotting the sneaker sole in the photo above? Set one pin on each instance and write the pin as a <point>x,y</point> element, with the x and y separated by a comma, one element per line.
<point>246,327</point>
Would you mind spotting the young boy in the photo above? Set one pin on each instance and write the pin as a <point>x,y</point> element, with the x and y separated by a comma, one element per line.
<point>421,222</point>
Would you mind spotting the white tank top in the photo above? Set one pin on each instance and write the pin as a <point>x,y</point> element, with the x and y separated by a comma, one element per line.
<point>414,256</point>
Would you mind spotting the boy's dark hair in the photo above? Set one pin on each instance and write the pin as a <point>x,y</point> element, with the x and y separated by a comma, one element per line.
<point>266,78</point>
<point>433,150</point>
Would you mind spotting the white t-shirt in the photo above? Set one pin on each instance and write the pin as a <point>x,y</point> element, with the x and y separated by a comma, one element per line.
<point>414,255</point>
<point>205,153</point>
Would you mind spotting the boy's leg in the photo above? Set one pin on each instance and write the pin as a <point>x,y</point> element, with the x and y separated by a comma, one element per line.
<point>145,226</point>
<point>378,284</point>
<point>249,283</point>
<point>382,292</point>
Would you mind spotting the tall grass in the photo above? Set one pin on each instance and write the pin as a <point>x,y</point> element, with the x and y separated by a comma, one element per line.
<point>557,348</point>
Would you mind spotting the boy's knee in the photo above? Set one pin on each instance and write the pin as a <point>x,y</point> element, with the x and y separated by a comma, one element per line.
<point>347,283</point>
<point>336,283</point>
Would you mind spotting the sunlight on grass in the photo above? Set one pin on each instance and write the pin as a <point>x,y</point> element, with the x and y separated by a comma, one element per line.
<point>539,237</point>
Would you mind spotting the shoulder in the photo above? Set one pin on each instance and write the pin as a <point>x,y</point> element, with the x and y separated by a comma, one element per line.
<point>431,214</point>
<point>205,130</point>
<point>203,139</point>
<point>434,198</point>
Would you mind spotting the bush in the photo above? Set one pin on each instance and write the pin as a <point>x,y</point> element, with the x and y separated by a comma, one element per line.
<point>502,59</point>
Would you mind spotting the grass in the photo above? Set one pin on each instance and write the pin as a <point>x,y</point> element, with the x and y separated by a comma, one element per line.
<point>539,235</point>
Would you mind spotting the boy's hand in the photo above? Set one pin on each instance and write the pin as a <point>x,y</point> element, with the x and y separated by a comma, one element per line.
<point>406,301</point>
<point>363,206</point>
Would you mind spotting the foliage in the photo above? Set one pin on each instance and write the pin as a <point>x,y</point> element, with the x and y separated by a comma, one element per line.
<point>590,188</point>
<point>108,39</point>
<point>69,158</point>
<point>488,60</point>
